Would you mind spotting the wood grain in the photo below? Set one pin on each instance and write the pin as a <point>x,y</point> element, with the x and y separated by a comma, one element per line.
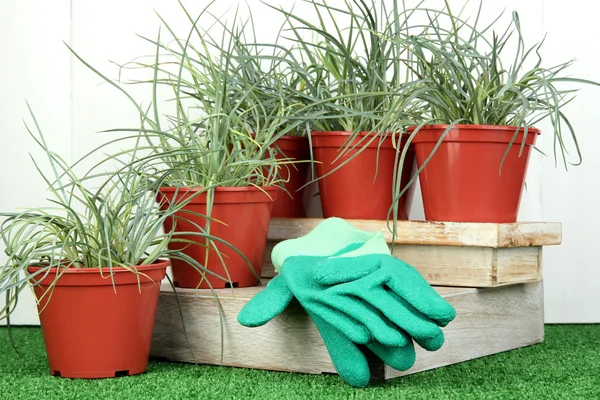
<point>437,233</point>
<point>488,321</point>
<point>466,266</point>
<point>517,265</point>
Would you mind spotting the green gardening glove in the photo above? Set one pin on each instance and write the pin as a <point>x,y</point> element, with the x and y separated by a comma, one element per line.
<point>346,356</point>
<point>360,290</point>
<point>387,296</point>
<point>318,262</point>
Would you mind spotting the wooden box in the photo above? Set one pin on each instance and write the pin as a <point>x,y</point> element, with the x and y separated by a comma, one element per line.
<point>450,253</point>
<point>488,321</point>
<point>490,273</point>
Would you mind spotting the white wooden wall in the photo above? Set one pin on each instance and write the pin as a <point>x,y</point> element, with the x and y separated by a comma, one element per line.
<point>72,106</point>
<point>34,67</point>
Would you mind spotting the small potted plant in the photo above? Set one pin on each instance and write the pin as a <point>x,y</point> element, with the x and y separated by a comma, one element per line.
<point>353,94</point>
<point>95,261</point>
<point>473,144</point>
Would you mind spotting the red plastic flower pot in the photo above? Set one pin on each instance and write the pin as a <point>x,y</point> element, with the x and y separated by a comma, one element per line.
<point>240,216</point>
<point>463,181</point>
<point>93,329</point>
<point>362,188</point>
<point>290,204</point>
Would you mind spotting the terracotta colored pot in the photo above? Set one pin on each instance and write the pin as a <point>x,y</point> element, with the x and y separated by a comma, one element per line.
<point>463,181</point>
<point>92,329</point>
<point>290,204</point>
<point>361,189</point>
<point>240,216</point>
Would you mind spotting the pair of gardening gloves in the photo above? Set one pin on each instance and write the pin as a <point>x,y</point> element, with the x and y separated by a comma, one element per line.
<point>358,295</point>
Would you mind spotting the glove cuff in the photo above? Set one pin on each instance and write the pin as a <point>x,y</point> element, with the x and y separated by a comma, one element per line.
<point>334,237</point>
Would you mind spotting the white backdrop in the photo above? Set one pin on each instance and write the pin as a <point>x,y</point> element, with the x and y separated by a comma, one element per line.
<point>72,105</point>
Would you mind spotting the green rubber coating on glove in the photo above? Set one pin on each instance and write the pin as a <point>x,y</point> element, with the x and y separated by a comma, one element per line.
<point>266,304</point>
<point>369,298</point>
<point>356,293</point>
<point>348,360</point>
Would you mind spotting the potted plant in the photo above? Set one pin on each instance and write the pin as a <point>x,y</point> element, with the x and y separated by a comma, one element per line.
<point>94,260</point>
<point>215,152</point>
<point>270,72</point>
<point>473,144</point>
<point>353,91</point>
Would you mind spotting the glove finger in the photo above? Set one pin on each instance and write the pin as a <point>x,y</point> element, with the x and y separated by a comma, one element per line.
<point>349,362</point>
<point>352,328</point>
<point>432,344</point>
<point>397,310</point>
<point>333,271</point>
<point>266,304</point>
<point>400,358</point>
<point>408,283</point>
<point>380,327</point>
<point>392,322</point>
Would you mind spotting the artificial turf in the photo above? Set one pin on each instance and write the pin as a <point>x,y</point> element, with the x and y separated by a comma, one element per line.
<point>565,366</point>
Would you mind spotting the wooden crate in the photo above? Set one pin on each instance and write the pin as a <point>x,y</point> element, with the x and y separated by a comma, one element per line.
<point>450,253</point>
<point>488,321</point>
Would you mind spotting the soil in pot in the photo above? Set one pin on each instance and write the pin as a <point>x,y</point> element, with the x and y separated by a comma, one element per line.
<point>240,216</point>
<point>93,329</point>
<point>362,188</point>
<point>463,181</point>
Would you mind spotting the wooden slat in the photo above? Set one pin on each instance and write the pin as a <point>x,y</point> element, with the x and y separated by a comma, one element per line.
<point>466,266</point>
<point>437,233</point>
<point>529,234</point>
<point>450,265</point>
<point>517,265</point>
<point>248,292</point>
<point>488,321</point>
<point>245,293</point>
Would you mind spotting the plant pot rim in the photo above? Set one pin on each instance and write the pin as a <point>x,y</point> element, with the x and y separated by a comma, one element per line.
<point>347,133</point>
<point>223,195</point>
<point>185,189</point>
<point>293,137</point>
<point>158,264</point>
<point>475,127</point>
<point>286,137</point>
<point>475,134</point>
<point>339,139</point>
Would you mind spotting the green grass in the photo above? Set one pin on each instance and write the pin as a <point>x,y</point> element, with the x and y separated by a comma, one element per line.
<point>565,366</point>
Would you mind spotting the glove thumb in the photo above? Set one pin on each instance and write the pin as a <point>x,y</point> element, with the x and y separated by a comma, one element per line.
<point>266,304</point>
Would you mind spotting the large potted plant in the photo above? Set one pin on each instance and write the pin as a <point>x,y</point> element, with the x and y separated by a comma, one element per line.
<point>215,152</point>
<point>472,147</point>
<point>272,75</point>
<point>353,90</point>
<point>95,261</point>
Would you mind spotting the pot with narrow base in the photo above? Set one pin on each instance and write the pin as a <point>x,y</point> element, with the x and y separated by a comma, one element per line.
<point>362,188</point>
<point>290,204</point>
<point>239,215</point>
<point>465,180</point>
<point>98,323</point>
